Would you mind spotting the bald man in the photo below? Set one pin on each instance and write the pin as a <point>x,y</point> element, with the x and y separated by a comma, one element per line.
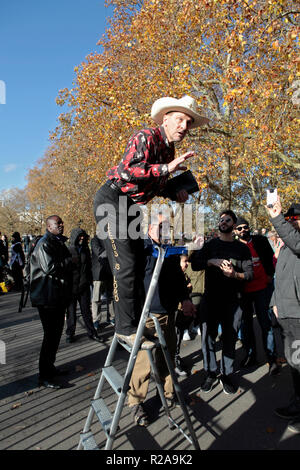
<point>50,292</point>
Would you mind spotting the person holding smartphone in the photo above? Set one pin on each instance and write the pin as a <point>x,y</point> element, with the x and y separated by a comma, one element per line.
<point>286,299</point>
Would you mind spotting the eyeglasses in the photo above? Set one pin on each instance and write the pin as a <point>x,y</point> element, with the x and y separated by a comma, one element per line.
<point>226,220</point>
<point>244,227</point>
<point>292,217</point>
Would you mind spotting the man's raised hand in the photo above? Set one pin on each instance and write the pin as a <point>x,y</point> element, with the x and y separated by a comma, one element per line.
<point>177,162</point>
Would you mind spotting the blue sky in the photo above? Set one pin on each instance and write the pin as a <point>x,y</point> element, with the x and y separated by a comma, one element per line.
<point>41,41</point>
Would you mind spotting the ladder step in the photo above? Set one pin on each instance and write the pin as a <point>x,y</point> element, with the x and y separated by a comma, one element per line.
<point>129,348</point>
<point>88,442</point>
<point>114,378</point>
<point>103,414</point>
<point>124,345</point>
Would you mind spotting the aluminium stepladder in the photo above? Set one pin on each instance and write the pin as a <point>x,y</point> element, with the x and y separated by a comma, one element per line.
<point>109,422</point>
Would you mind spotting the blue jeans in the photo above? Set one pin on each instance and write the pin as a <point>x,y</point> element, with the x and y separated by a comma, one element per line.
<point>258,303</point>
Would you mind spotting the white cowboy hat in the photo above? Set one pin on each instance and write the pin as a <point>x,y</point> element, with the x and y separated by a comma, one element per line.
<point>186,105</point>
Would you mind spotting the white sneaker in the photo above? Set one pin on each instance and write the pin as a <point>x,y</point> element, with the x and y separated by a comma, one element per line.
<point>186,336</point>
<point>199,331</point>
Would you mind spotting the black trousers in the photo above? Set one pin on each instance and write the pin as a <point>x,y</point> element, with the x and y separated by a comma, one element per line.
<point>228,314</point>
<point>53,323</point>
<point>258,301</point>
<point>119,230</point>
<point>291,335</point>
<point>182,323</point>
<point>17,274</point>
<point>84,299</point>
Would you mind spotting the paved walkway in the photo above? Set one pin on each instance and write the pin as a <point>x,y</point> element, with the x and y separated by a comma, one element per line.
<point>37,418</point>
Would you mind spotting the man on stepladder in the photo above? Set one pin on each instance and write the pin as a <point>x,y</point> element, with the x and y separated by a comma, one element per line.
<point>141,175</point>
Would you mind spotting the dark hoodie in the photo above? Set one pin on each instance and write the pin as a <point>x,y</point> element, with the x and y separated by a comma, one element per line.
<point>81,261</point>
<point>171,288</point>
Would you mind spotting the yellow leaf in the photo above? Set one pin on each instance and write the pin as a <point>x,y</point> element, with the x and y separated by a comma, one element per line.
<point>16,405</point>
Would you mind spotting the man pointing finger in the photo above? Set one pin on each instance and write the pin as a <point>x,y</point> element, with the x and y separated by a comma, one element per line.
<point>141,175</point>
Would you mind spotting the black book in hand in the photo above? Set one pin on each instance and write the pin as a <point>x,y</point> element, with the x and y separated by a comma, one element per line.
<point>185,181</point>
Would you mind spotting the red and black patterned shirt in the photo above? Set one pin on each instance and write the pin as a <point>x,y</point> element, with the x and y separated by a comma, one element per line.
<point>143,170</point>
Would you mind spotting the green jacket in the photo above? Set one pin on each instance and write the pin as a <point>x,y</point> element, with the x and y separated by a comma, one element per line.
<point>197,280</point>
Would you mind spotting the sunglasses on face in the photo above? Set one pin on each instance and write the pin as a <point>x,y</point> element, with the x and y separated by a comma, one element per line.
<point>245,227</point>
<point>292,217</point>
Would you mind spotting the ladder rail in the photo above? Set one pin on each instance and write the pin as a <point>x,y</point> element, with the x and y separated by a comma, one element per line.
<point>135,348</point>
<point>111,432</point>
<point>176,385</point>
<point>108,362</point>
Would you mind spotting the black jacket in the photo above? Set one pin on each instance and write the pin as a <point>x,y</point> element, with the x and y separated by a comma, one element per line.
<point>3,258</point>
<point>265,253</point>
<point>172,286</point>
<point>17,256</point>
<point>81,261</point>
<point>286,295</point>
<point>100,265</point>
<point>50,272</point>
<point>216,283</point>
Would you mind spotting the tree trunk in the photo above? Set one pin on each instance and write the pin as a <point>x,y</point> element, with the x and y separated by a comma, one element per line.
<point>226,183</point>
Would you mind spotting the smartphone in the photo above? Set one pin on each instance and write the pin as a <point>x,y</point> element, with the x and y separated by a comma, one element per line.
<point>271,197</point>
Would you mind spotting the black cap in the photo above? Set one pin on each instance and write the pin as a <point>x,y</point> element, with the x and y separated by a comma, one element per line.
<point>293,210</point>
<point>241,221</point>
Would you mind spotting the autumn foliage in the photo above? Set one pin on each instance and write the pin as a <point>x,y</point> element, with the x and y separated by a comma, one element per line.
<point>237,58</point>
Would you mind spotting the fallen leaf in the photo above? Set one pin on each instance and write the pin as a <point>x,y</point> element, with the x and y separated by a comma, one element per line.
<point>91,374</point>
<point>16,405</point>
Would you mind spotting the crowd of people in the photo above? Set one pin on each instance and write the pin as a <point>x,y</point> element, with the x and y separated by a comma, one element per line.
<point>210,292</point>
<point>14,258</point>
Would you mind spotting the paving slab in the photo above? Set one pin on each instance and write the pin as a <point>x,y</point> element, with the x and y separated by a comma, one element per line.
<point>33,418</point>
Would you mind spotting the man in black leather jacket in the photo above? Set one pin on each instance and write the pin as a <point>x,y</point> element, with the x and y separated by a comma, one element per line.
<point>50,292</point>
